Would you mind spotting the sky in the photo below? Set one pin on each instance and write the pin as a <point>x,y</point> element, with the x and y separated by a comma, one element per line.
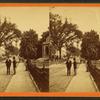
<point>86,18</point>
<point>36,18</point>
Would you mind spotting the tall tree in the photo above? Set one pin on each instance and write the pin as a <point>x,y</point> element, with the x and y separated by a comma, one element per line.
<point>73,51</point>
<point>11,50</point>
<point>28,49</point>
<point>89,46</point>
<point>8,32</point>
<point>62,33</point>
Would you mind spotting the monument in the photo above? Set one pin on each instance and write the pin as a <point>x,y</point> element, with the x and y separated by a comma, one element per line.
<point>45,48</point>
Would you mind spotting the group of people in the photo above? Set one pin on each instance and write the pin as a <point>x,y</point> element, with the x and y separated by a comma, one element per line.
<point>8,65</point>
<point>54,58</point>
<point>69,65</point>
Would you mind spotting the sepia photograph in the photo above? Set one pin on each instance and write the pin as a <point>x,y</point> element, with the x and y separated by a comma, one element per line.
<point>49,49</point>
<point>74,49</point>
<point>24,49</point>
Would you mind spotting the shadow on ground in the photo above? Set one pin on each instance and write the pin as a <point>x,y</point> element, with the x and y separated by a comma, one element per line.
<point>41,77</point>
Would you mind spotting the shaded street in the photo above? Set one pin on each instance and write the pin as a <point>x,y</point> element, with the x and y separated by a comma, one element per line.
<point>82,82</point>
<point>58,77</point>
<point>20,82</point>
<point>4,78</point>
<point>60,82</point>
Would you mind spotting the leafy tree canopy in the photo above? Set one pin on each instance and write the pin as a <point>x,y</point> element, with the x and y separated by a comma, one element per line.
<point>90,44</point>
<point>62,33</point>
<point>8,32</point>
<point>28,44</point>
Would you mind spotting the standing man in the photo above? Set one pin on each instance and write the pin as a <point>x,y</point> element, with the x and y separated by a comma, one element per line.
<point>75,66</point>
<point>14,65</point>
<point>8,65</point>
<point>68,65</point>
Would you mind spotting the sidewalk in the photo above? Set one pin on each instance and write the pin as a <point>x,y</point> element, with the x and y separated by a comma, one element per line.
<point>21,81</point>
<point>58,79</point>
<point>4,78</point>
<point>82,82</point>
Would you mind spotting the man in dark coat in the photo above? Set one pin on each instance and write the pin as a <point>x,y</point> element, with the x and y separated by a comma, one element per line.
<point>8,65</point>
<point>75,66</point>
<point>14,65</point>
<point>68,65</point>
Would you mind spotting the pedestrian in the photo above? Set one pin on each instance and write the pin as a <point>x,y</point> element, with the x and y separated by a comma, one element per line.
<point>75,66</point>
<point>14,65</point>
<point>68,65</point>
<point>8,65</point>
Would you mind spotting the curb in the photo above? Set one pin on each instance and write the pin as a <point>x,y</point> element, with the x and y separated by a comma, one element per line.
<point>10,80</point>
<point>8,84</point>
<point>97,90</point>
<point>70,80</point>
<point>37,89</point>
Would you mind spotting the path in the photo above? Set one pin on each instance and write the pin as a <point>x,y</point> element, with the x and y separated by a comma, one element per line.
<point>58,79</point>
<point>82,82</point>
<point>4,78</point>
<point>21,81</point>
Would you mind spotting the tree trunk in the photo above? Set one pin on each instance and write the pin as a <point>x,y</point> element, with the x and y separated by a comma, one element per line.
<point>59,53</point>
<point>88,65</point>
<point>28,64</point>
